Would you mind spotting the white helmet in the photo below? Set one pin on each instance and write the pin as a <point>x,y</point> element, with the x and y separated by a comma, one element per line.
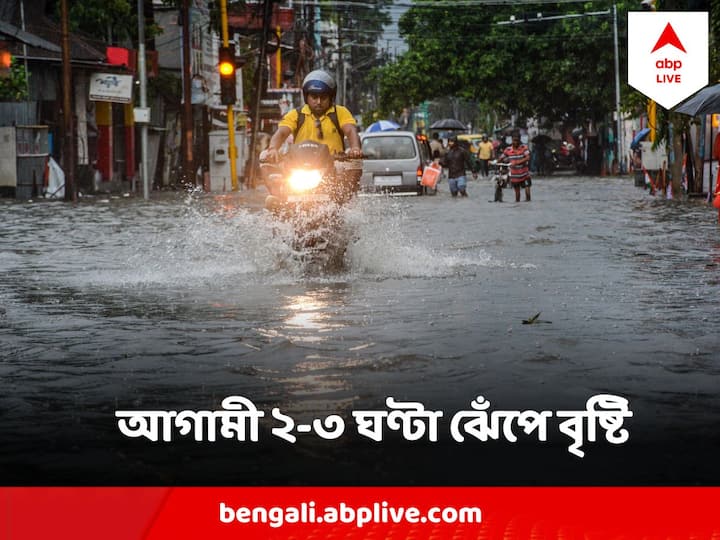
<point>319,82</point>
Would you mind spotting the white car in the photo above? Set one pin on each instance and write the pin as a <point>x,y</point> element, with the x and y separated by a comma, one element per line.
<point>394,161</point>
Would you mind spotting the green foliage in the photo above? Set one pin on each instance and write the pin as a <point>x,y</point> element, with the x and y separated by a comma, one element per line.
<point>14,86</point>
<point>168,86</point>
<point>99,18</point>
<point>714,41</point>
<point>109,21</point>
<point>556,68</point>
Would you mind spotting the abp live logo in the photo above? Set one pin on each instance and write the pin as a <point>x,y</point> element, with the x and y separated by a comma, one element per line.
<point>668,54</point>
<point>669,37</point>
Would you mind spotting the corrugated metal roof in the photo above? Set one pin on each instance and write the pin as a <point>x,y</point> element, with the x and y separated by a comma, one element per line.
<point>15,33</point>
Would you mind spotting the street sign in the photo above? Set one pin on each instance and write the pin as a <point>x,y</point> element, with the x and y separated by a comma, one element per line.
<point>668,54</point>
<point>111,87</point>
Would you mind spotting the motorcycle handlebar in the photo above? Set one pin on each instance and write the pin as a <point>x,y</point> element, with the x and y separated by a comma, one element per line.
<point>264,158</point>
<point>496,163</point>
<point>343,156</point>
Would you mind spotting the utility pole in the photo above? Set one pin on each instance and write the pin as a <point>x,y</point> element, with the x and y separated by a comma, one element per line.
<point>230,113</point>
<point>619,135</point>
<point>252,162</point>
<point>339,72</point>
<point>187,114</point>
<point>278,58</point>
<point>25,52</point>
<point>142,72</point>
<point>68,136</point>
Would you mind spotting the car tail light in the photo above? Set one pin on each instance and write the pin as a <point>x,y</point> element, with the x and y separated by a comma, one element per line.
<point>419,174</point>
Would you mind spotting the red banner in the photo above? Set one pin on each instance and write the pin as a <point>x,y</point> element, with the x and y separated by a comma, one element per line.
<point>359,513</point>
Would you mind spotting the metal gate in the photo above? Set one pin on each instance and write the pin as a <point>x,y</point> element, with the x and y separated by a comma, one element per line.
<point>22,159</point>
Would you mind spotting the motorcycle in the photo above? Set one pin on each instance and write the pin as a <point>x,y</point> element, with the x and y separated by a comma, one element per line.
<point>500,177</point>
<point>566,157</point>
<point>308,190</point>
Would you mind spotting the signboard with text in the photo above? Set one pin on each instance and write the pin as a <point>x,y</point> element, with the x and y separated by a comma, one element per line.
<point>111,87</point>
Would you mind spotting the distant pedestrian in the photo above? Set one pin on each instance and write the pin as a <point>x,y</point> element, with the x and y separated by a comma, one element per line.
<point>436,147</point>
<point>518,156</point>
<point>457,161</point>
<point>404,120</point>
<point>485,154</point>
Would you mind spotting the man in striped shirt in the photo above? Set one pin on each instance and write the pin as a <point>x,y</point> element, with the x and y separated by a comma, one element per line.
<point>518,156</point>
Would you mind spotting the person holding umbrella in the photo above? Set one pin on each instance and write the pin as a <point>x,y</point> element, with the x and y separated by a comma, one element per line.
<point>457,160</point>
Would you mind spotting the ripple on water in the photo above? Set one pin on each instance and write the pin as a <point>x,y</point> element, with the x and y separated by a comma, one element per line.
<point>183,300</point>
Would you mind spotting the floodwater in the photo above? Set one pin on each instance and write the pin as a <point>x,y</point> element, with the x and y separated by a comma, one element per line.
<point>178,302</point>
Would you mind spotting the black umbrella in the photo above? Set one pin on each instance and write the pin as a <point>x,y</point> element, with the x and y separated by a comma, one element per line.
<point>450,124</point>
<point>706,101</point>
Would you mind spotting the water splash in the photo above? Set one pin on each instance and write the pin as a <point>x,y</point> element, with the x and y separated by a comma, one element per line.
<point>202,245</point>
<point>219,241</point>
<point>387,244</point>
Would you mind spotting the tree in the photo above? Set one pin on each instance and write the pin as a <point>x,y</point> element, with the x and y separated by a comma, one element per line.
<point>557,65</point>
<point>714,8</point>
<point>106,21</point>
<point>14,86</point>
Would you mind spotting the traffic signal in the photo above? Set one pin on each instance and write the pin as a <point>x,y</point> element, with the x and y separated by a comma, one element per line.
<point>226,67</point>
<point>5,61</point>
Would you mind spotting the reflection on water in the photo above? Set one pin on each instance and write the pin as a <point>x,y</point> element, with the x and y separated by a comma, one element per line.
<point>180,301</point>
<point>310,314</point>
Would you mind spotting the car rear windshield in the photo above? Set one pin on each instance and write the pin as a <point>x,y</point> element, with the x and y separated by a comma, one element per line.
<point>388,148</point>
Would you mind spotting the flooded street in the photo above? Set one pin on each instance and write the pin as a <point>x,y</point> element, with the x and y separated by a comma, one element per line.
<point>179,302</point>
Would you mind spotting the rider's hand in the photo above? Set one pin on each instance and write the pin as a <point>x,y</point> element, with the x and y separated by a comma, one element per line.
<point>269,155</point>
<point>354,153</point>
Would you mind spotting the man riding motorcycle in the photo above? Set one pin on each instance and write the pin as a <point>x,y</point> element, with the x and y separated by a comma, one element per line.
<point>319,120</point>
<point>313,180</point>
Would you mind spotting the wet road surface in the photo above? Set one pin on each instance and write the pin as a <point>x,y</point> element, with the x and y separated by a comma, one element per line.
<point>177,302</point>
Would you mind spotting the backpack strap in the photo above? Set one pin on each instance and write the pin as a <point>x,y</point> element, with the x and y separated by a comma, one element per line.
<point>300,121</point>
<point>331,115</point>
<point>334,117</point>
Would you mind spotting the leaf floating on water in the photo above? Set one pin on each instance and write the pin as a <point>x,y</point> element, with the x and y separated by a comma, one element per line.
<point>535,319</point>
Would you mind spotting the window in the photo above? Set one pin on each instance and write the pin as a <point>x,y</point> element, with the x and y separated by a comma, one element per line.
<point>389,148</point>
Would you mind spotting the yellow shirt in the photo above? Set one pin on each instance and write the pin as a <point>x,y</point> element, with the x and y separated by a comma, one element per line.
<point>309,132</point>
<point>485,150</point>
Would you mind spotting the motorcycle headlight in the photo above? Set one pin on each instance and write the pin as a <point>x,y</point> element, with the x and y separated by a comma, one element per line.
<point>304,180</point>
